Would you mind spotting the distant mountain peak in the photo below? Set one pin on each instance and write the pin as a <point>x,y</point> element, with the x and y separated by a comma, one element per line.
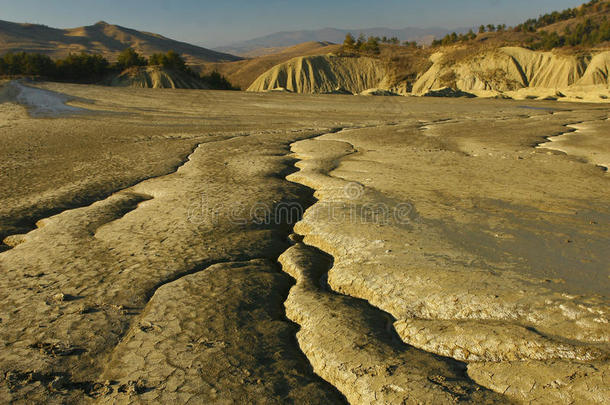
<point>334,35</point>
<point>101,38</point>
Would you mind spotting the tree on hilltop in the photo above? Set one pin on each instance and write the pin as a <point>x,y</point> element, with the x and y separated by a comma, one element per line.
<point>129,57</point>
<point>361,40</point>
<point>170,60</point>
<point>371,45</point>
<point>349,43</point>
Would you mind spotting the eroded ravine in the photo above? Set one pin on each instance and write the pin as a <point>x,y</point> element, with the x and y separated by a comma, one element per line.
<point>234,343</point>
<point>65,334</point>
<point>22,222</point>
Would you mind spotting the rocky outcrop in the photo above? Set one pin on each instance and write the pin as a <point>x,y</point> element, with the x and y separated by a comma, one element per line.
<point>325,74</point>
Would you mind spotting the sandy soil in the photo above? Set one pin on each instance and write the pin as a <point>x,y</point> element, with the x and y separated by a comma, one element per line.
<point>157,250</point>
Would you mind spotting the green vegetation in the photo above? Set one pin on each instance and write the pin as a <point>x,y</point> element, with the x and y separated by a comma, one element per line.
<point>594,6</point>
<point>82,67</point>
<point>411,44</point>
<point>590,32</point>
<point>86,68</point>
<point>349,44</point>
<point>363,44</point>
<point>454,38</point>
<point>170,60</point>
<point>130,58</point>
<point>371,44</point>
<point>392,41</point>
<point>22,63</point>
<point>76,67</point>
<point>216,81</point>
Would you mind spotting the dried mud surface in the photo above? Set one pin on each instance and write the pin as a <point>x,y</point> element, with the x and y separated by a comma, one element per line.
<point>225,247</point>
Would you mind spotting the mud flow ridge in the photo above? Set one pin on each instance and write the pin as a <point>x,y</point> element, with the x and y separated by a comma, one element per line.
<point>204,301</point>
<point>23,223</point>
<point>576,142</point>
<point>547,138</point>
<point>353,344</point>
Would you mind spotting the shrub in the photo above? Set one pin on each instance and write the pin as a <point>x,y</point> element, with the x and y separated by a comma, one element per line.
<point>349,44</point>
<point>129,58</point>
<point>371,45</point>
<point>216,81</point>
<point>76,67</point>
<point>81,67</point>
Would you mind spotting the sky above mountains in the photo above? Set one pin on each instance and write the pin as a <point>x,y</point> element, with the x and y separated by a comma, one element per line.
<point>214,23</point>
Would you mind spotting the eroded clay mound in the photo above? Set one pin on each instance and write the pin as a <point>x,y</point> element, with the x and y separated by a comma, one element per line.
<point>156,77</point>
<point>598,71</point>
<point>513,68</point>
<point>324,74</point>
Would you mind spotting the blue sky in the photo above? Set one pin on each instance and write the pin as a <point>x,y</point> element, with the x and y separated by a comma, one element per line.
<point>220,22</point>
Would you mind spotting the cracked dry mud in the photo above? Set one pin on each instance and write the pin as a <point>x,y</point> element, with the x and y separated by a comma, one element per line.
<point>155,252</point>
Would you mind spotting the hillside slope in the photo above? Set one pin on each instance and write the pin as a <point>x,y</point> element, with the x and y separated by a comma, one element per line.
<point>291,38</point>
<point>513,68</point>
<point>155,77</point>
<point>325,74</point>
<point>101,38</point>
<point>507,71</point>
<point>242,73</point>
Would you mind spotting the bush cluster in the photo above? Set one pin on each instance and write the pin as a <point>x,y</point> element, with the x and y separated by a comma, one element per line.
<point>86,68</point>
<point>534,24</point>
<point>362,44</point>
<point>371,44</point>
<point>588,33</point>
<point>454,38</point>
<point>216,81</point>
<point>79,68</point>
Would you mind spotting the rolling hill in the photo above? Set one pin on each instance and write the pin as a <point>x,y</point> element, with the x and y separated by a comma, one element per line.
<point>101,38</point>
<point>270,43</point>
<point>243,73</point>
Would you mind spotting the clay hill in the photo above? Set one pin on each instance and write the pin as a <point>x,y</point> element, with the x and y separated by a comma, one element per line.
<point>507,71</point>
<point>101,38</point>
<point>324,74</point>
<point>242,73</point>
<point>541,58</point>
<point>155,77</point>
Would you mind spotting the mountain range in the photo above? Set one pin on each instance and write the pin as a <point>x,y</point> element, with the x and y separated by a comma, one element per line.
<point>270,43</point>
<point>101,38</point>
